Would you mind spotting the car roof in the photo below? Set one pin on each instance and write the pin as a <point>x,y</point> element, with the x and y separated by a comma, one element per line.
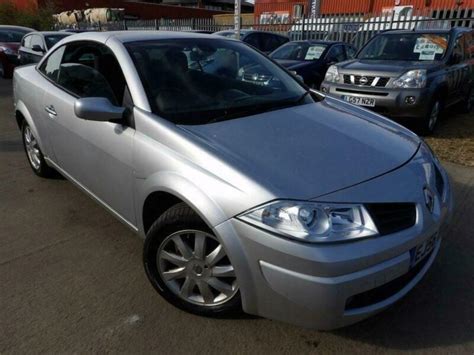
<point>18,28</point>
<point>49,33</point>
<point>433,31</point>
<point>136,36</point>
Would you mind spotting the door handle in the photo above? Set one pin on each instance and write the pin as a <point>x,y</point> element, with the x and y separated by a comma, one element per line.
<point>50,110</point>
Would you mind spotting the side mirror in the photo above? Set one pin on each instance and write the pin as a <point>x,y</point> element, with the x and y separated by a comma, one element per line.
<point>38,48</point>
<point>97,109</point>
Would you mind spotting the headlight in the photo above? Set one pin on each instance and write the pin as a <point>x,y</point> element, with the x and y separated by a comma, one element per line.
<point>332,74</point>
<point>413,79</point>
<point>313,222</point>
<point>8,51</point>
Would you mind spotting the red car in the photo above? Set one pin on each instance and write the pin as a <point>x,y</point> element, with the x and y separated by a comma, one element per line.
<point>10,38</point>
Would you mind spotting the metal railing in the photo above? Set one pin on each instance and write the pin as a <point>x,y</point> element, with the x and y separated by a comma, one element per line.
<point>353,29</point>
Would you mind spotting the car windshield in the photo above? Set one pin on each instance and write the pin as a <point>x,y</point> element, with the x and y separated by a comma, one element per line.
<point>11,36</point>
<point>197,81</point>
<point>299,51</point>
<point>51,40</point>
<point>406,46</point>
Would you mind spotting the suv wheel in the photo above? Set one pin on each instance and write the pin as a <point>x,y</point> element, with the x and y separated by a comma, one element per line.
<point>188,265</point>
<point>431,120</point>
<point>34,154</point>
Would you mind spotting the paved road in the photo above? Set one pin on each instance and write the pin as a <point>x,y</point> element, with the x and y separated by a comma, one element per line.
<point>71,280</point>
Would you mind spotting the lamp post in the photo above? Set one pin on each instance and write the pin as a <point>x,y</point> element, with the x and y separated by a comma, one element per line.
<point>237,19</point>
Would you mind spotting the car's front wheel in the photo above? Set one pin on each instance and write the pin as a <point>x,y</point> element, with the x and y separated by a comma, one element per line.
<point>431,120</point>
<point>34,154</point>
<point>188,266</point>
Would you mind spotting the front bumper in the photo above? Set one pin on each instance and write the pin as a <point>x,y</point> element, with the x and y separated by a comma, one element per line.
<point>390,102</point>
<point>326,286</point>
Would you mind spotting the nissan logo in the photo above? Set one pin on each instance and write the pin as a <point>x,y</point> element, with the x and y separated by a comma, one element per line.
<point>363,80</point>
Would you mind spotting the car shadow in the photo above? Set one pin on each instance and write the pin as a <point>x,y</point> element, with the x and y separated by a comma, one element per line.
<point>440,310</point>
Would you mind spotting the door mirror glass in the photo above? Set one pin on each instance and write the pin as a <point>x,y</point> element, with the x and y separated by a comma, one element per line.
<point>37,48</point>
<point>97,109</point>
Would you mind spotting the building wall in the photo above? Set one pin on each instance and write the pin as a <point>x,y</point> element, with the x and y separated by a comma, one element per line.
<point>328,7</point>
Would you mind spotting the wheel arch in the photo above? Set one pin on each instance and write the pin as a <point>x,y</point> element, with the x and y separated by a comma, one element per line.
<point>165,189</point>
<point>22,114</point>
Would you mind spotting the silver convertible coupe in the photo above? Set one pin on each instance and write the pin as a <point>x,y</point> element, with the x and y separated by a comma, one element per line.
<point>252,192</point>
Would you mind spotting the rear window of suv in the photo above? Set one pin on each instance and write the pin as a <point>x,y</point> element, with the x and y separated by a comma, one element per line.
<point>406,46</point>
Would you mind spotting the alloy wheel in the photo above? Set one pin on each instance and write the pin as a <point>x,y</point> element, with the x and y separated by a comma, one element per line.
<point>32,148</point>
<point>195,267</point>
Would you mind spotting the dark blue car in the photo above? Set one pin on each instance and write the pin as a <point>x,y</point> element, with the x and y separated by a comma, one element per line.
<point>310,59</point>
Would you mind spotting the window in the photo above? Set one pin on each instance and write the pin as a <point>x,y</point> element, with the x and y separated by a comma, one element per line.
<point>351,52</point>
<point>406,46</point>
<point>200,81</point>
<point>254,40</point>
<point>86,70</point>
<point>27,42</point>
<point>470,45</point>
<point>299,51</point>
<point>36,41</point>
<point>336,54</point>
<point>458,49</point>
<point>50,67</point>
<point>51,40</point>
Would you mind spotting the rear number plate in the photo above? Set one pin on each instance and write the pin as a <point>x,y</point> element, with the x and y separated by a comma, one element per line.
<point>419,252</point>
<point>361,101</point>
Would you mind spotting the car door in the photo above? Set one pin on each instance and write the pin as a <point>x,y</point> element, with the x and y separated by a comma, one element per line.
<point>96,155</point>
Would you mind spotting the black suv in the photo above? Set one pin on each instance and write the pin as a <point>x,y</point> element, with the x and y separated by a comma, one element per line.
<point>409,74</point>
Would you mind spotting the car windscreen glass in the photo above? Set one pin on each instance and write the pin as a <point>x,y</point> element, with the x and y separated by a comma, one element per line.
<point>51,40</point>
<point>406,46</point>
<point>9,36</point>
<point>197,81</point>
<point>299,51</point>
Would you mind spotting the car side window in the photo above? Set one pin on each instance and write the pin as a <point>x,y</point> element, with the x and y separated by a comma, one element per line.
<point>469,45</point>
<point>336,54</point>
<point>91,70</point>
<point>26,42</point>
<point>458,49</point>
<point>50,67</point>
<point>36,41</point>
<point>270,42</point>
<point>350,52</point>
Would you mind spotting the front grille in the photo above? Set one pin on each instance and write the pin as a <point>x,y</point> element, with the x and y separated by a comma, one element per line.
<point>375,81</point>
<point>392,217</point>
<point>387,290</point>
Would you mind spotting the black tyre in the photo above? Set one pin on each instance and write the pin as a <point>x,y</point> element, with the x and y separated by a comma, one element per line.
<point>188,266</point>
<point>34,154</point>
<point>431,120</point>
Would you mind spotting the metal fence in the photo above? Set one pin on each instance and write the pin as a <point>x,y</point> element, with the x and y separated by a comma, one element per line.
<point>353,29</point>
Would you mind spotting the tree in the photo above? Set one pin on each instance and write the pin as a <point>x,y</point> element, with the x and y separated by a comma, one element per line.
<point>40,19</point>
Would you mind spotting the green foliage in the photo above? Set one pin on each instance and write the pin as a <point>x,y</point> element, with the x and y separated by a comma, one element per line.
<point>39,19</point>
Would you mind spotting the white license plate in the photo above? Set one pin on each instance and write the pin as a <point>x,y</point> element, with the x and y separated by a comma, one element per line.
<point>419,252</point>
<point>361,101</point>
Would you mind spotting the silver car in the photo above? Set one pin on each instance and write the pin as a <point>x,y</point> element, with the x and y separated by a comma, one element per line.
<point>264,197</point>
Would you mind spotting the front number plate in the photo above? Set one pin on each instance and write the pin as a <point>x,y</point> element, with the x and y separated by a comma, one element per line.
<point>419,252</point>
<point>361,101</point>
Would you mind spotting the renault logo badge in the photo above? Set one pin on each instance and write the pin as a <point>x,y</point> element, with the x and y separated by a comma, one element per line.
<point>429,199</point>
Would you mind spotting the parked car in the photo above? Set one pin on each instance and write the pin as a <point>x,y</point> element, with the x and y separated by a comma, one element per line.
<point>266,42</point>
<point>10,38</point>
<point>409,75</point>
<point>35,44</point>
<point>311,59</point>
<point>274,199</point>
